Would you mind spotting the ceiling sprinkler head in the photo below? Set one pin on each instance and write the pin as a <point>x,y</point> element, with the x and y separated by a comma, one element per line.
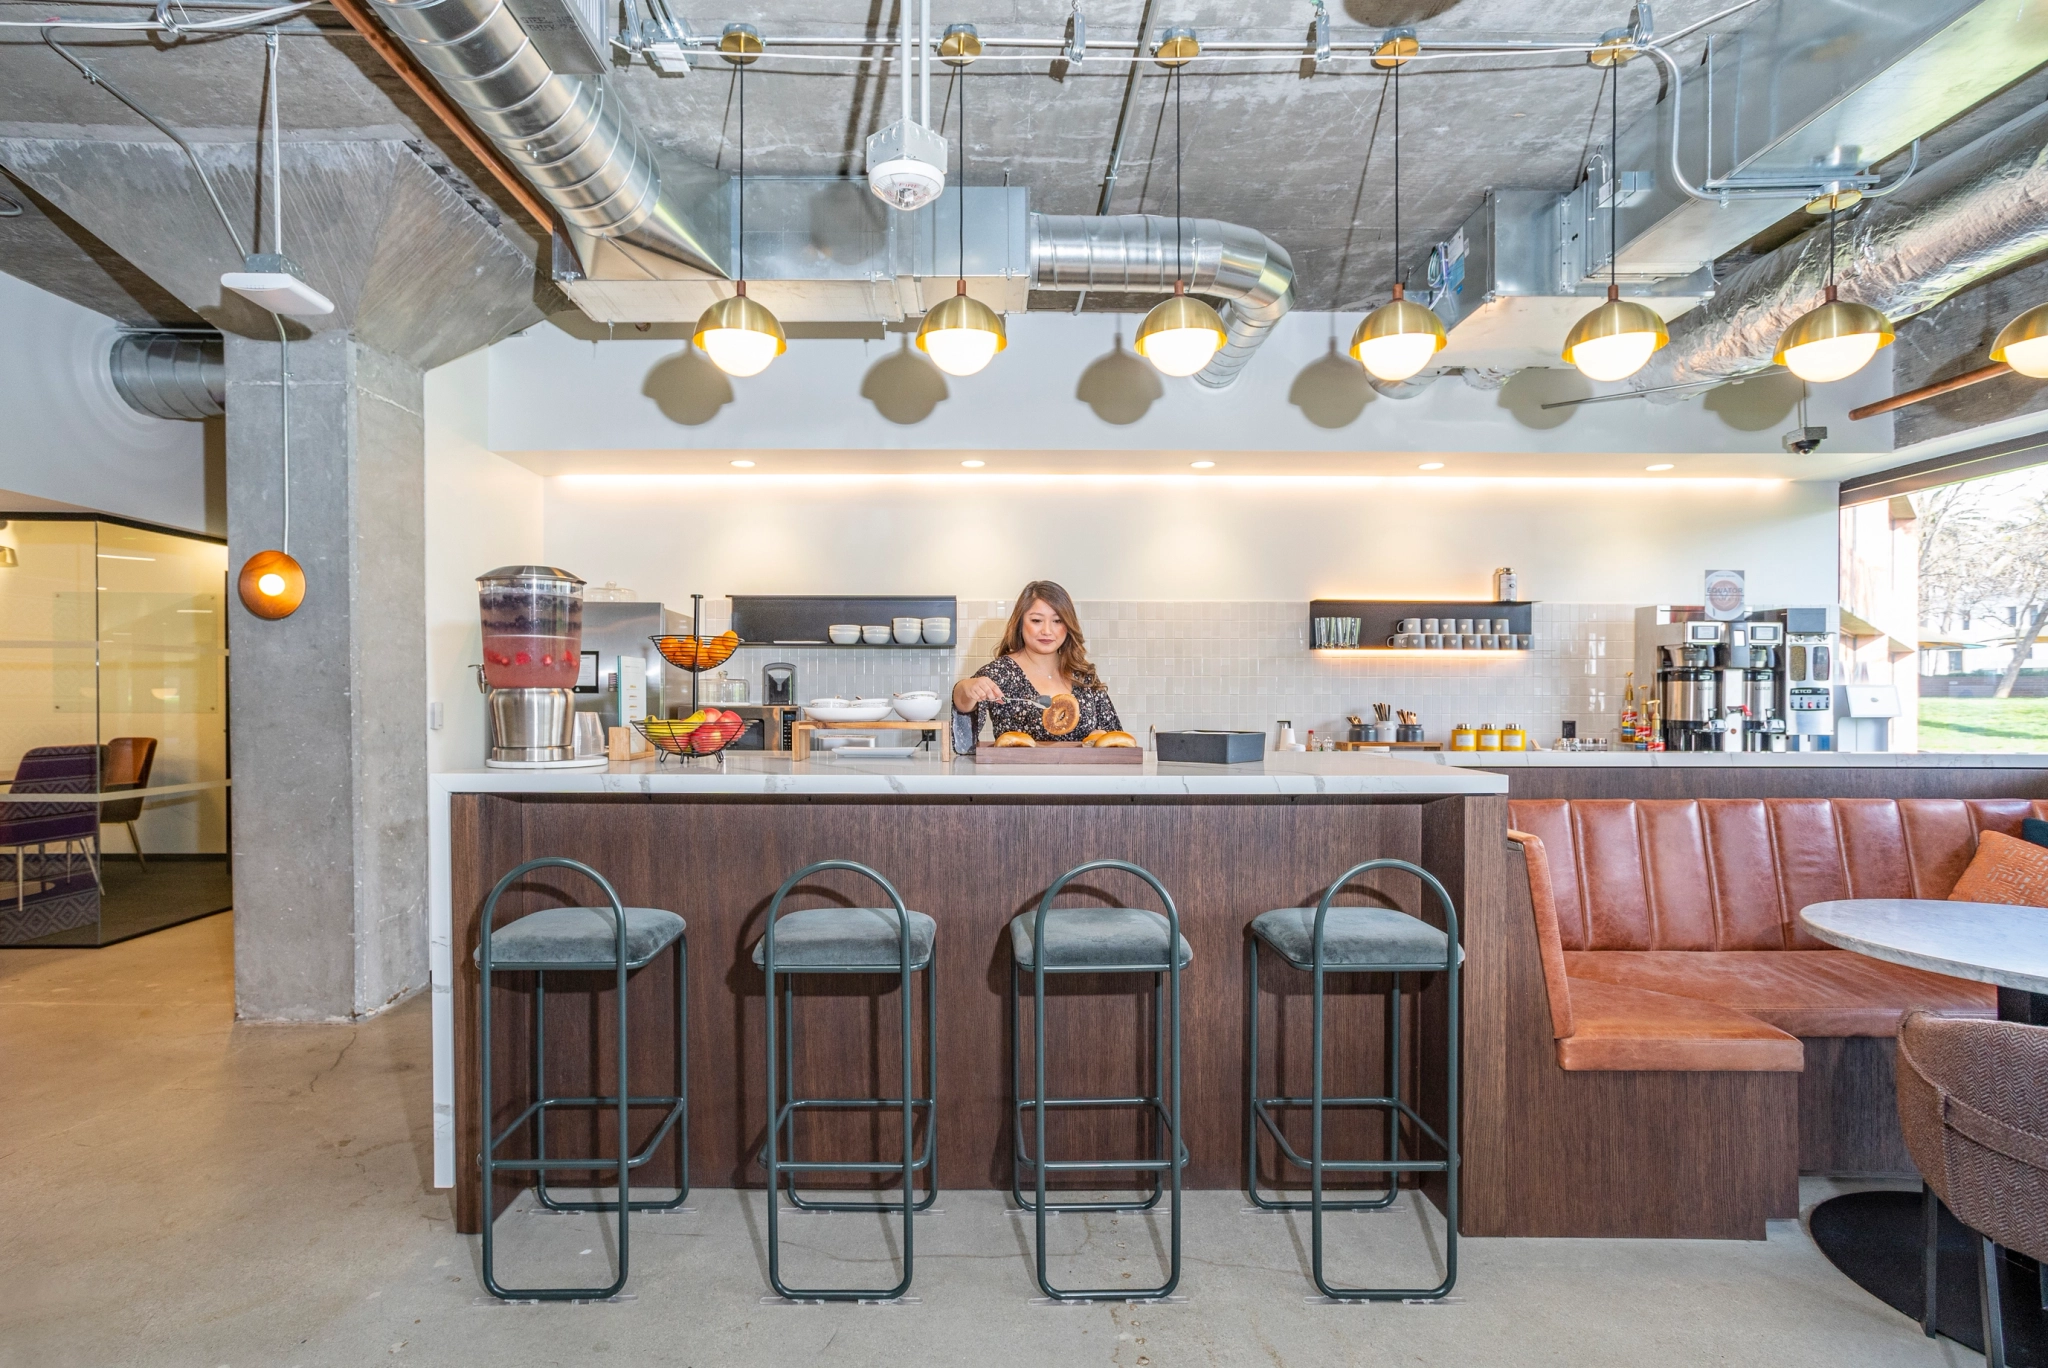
<point>906,165</point>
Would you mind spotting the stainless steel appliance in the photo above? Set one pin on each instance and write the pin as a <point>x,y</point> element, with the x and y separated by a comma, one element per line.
<point>532,617</point>
<point>1680,657</point>
<point>1812,660</point>
<point>1759,683</point>
<point>619,631</point>
<point>778,684</point>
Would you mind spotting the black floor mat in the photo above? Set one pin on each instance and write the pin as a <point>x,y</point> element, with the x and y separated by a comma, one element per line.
<point>1875,1238</point>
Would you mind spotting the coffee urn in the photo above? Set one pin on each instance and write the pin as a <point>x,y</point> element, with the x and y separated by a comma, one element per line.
<point>1688,685</point>
<point>532,647</point>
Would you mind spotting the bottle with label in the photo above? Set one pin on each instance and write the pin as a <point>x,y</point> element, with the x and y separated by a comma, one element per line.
<point>1488,738</point>
<point>1505,585</point>
<point>1652,724</point>
<point>1463,738</point>
<point>1629,717</point>
<point>1513,738</point>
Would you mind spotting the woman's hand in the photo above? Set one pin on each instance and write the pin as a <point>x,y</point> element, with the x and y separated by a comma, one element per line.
<point>969,693</point>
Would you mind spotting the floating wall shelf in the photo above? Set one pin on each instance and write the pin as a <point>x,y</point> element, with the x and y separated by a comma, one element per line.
<point>801,619</point>
<point>1377,619</point>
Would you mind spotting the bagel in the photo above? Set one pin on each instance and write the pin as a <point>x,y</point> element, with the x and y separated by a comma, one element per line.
<point>1014,738</point>
<point>1114,739</point>
<point>1062,715</point>
<point>1094,737</point>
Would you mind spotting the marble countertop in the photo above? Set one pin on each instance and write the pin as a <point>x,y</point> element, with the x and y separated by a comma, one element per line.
<point>770,772</point>
<point>1985,942</point>
<point>1738,760</point>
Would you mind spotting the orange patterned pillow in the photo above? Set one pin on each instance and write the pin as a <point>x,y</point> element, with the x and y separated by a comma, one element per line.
<point>2005,871</point>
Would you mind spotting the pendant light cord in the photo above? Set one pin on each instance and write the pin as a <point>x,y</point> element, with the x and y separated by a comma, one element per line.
<point>743,178</point>
<point>1179,258</point>
<point>1614,181</point>
<point>284,363</point>
<point>1831,245</point>
<point>1395,77</point>
<point>963,175</point>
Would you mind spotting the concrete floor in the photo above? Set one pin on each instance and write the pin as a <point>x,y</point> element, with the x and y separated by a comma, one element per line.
<point>181,1189</point>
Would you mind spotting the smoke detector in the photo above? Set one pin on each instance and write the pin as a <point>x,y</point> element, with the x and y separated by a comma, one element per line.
<point>906,165</point>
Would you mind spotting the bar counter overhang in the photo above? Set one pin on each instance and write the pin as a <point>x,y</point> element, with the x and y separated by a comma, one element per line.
<point>972,849</point>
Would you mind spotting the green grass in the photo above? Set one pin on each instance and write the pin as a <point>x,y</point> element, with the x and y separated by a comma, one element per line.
<point>1984,724</point>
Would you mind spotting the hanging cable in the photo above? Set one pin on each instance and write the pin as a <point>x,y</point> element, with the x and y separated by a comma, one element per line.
<point>1395,77</point>
<point>284,362</point>
<point>1614,179</point>
<point>1179,261</point>
<point>962,73</point>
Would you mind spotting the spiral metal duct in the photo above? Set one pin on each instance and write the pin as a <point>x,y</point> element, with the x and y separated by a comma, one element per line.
<point>1982,209</point>
<point>1137,253</point>
<point>171,375</point>
<point>568,135</point>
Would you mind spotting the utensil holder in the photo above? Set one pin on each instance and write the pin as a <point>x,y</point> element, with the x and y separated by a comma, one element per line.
<point>1407,733</point>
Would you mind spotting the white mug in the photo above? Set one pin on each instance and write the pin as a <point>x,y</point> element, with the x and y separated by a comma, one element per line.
<point>1408,625</point>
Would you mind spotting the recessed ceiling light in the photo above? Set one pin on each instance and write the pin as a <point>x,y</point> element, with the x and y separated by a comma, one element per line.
<point>974,465</point>
<point>1431,465</point>
<point>744,465</point>
<point>1202,465</point>
<point>1664,465</point>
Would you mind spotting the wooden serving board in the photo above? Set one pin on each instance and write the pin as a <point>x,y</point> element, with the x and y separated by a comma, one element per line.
<point>1057,753</point>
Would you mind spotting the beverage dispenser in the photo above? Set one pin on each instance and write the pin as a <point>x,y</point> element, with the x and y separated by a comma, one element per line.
<point>533,647</point>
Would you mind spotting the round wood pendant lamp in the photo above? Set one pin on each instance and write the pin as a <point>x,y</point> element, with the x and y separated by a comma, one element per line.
<point>271,585</point>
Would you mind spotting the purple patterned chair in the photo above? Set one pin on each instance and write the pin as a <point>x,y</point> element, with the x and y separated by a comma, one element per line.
<point>53,770</point>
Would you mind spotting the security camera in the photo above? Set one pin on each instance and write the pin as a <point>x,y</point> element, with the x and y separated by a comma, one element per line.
<point>1801,441</point>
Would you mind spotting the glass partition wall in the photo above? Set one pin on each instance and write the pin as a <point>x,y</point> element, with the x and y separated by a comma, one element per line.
<point>113,681</point>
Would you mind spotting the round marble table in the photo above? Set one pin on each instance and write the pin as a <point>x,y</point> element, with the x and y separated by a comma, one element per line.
<point>1874,1237</point>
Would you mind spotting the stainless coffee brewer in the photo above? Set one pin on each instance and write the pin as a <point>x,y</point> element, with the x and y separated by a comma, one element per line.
<point>1688,684</point>
<point>533,649</point>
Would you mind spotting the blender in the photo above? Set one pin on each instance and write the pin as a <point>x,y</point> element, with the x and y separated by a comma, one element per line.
<point>533,648</point>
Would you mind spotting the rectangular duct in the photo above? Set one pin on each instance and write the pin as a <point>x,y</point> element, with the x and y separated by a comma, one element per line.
<point>824,249</point>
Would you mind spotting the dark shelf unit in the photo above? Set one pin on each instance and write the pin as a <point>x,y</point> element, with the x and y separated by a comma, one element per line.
<point>786,619</point>
<point>1376,617</point>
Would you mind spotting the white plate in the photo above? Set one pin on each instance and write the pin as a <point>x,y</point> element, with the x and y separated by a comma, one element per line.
<point>873,712</point>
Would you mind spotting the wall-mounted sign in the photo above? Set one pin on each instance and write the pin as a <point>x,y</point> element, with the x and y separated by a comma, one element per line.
<point>1727,595</point>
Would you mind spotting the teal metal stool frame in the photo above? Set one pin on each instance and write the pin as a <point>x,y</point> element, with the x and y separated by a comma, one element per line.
<point>1164,1103</point>
<point>1396,1108</point>
<point>783,1105</point>
<point>622,1100</point>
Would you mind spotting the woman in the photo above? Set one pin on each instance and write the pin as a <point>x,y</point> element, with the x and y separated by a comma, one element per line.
<point>1042,653</point>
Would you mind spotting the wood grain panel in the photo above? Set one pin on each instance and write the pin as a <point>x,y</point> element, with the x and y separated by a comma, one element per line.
<point>1849,1108</point>
<point>972,864</point>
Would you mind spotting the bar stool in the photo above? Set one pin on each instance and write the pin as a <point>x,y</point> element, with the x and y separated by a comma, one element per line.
<point>1361,940</point>
<point>1099,940</point>
<point>616,939</point>
<point>847,940</point>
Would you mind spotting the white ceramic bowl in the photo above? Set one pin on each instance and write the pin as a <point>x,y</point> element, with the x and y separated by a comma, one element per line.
<point>843,633</point>
<point>918,693</point>
<point>937,630</point>
<point>908,632</point>
<point>849,712</point>
<point>906,622</point>
<point>917,709</point>
<point>833,702</point>
<point>874,635</point>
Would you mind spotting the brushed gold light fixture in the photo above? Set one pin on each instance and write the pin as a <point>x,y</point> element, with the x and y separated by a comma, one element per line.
<point>740,44</point>
<point>1619,336</point>
<point>959,45</point>
<point>1398,338</point>
<point>1182,334</point>
<point>1836,339</point>
<point>739,335</point>
<point>962,334</point>
<point>2023,343</point>
<point>1177,47</point>
<point>1396,47</point>
<point>272,585</point>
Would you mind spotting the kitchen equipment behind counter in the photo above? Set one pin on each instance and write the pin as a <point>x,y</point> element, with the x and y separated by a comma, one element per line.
<point>778,684</point>
<point>1210,747</point>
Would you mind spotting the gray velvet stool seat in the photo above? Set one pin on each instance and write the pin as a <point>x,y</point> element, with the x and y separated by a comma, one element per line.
<point>847,940</point>
<point>1100,940</point>
<point>612,939</point>
<point>1324,940</point>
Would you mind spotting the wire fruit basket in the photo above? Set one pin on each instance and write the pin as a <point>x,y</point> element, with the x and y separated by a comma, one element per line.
<point>690,737</point>
<point>694,652</point>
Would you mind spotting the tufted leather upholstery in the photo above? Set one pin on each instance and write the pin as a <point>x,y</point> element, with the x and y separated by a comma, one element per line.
<point>1646,910</point>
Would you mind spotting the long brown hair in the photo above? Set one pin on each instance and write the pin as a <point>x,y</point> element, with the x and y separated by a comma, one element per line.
<point>1073,652</point>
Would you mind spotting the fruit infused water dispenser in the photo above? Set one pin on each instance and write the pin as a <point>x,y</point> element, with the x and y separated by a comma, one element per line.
<point>532,646</point>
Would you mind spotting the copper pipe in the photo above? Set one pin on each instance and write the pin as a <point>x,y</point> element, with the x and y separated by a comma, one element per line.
<point>1963,381</point>
<point>401,64</point>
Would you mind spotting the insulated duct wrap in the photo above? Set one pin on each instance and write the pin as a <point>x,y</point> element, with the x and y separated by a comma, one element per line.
<point>1982,209</point>
<point>170,375</point>
<point>1136,253</point>
<point>568,135</point>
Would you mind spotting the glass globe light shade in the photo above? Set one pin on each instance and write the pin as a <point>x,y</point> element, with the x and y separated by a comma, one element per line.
<point>1397,339</point>
<point>1616,339</point>
<point>1180,335</point>
<point>1833,341</point>
<point>962,334</point>
<point>2023,343</point>
<point>740,336</point>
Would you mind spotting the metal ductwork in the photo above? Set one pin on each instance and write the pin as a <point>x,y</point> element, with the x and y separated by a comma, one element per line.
<point>1981,210</point>
<point>1139,253</point>
<point>170,375</point>
<point>568,135</point>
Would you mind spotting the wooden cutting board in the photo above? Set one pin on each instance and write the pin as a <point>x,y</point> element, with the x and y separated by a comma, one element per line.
<point>1057,753</point>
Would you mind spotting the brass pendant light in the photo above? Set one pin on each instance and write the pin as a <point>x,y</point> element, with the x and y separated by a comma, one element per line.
<point>1835,340</point>
<point>1618,337</point>
<point>2023,343</point>
<point>962,334</point>
<point>739,335</point>
<point>1398,338</point>
<point>1182,334</point>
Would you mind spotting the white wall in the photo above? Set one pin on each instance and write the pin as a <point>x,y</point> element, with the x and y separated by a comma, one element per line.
<point>70,438</point>
<point>481,512</point>
<point>1193,538</point>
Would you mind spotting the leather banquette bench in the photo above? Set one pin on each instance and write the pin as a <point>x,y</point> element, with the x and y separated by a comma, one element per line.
<point>1686,1049</point>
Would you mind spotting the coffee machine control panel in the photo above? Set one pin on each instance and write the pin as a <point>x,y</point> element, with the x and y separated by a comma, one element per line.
<point>1812,700</point>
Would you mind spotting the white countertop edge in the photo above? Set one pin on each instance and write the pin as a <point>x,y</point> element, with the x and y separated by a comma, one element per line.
<point>1740,760</point>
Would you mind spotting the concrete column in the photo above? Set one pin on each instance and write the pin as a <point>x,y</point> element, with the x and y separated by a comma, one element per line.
<point>328,739</point>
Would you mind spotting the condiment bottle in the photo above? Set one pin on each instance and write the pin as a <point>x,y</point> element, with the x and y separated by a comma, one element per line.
<point>1488,737</point>
<point>1513,738</point>
<point>1463,738</point>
